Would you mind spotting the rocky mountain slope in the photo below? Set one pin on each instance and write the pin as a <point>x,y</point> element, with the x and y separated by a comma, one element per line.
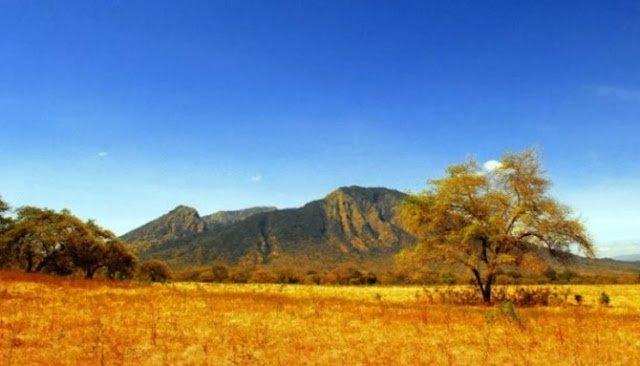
<point>351,224</point>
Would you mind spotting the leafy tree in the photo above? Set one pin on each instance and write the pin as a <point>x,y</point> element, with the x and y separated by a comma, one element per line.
<point>5,224</point>
<point>88,248</point>
<point>58,242</point>
<point>4,221</point>
<point>38,238</point>
<point>155,271</point>
<point>483,220</point>
<point>121,263</point>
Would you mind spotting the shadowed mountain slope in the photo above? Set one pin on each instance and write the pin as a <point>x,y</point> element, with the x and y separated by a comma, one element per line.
<point>351,224</point>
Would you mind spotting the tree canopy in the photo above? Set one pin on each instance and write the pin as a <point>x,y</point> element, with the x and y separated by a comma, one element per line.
<point>483,219</point>
<point>43,240</point>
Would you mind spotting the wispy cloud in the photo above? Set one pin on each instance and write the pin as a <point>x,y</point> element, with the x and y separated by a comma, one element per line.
<point>102,154</point>
<point>256,178</point>
<point>632,95</point>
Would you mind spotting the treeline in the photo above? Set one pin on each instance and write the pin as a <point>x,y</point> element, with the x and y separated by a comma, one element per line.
<point>47,241</point>
<point>354,276</point>
<point>221,273</point>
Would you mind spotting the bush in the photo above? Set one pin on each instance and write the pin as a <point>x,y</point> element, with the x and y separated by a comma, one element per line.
<point>219,273</point>
<point>604,299</point>
<point>262,275</point>
<point>289,276</point>
<point>155,271</point>
<point>239,275</point>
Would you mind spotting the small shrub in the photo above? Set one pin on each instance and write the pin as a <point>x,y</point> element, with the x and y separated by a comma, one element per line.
<point>604,299</point>
<point>155,271</point>
<point>578,298</point>
<point>219,273</point>
<point>262,275</point>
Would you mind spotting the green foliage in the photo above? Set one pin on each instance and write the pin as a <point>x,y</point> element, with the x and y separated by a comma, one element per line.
<point>604,299</point>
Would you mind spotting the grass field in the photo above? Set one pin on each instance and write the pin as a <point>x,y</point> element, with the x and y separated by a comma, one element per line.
<point>50,321</point>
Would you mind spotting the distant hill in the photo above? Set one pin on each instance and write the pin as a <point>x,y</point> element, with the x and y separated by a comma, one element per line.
<point>351,224</point>
<point>179,222</point>
<point>628,257</point>
<point>184,221</point>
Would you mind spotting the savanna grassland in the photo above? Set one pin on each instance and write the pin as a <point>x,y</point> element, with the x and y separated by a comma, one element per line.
<point>52,321</point>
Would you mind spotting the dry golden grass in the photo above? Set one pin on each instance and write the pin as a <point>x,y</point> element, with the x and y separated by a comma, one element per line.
<point>49,321</point>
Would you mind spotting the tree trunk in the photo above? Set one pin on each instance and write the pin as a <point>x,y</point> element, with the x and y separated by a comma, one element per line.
<point>486,293</point>
<point>484,286</point>
<point>29,263</point>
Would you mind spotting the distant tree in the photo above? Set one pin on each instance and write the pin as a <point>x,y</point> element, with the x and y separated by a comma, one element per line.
<point>5,224</point>
<point>88,249</point>
<point>262,275</point>
<point>155,271</point>
<point>219,273</point>
<point>121,262</point>
<point>4,220</point>
<point>39,237</point>
<point>484,219</point>
<point>58,242</point>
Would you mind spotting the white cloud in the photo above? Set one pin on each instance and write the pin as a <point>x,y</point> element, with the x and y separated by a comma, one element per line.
<point>102,154</point>
<point>492,165</point>
<point>256,178</point>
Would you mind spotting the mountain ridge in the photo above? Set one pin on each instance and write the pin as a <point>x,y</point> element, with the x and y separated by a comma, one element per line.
<point>349,224</point>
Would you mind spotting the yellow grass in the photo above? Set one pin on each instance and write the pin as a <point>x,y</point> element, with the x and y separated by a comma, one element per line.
<point>45,321</point>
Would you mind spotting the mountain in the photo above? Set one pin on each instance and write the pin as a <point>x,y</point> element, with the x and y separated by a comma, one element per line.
<point>351,224</point>
<point>179,222</point>
<point>184,221</point>
<point>628,257</point>
<point>230,217</point>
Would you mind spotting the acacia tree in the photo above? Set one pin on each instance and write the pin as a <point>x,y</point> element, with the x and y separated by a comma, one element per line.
<point>484,219</point>
<point>155,271</point>
<point>46,240</point>
<point>4,221</point>
<point>38,238</point>
<point>121,263</point>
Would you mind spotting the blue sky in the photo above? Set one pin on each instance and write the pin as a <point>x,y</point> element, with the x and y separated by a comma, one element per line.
<point>121,110</point>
